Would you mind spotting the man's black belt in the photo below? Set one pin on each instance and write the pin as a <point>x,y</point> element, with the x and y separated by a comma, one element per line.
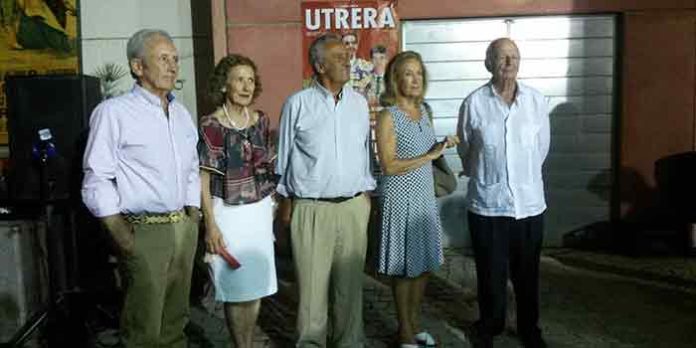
<point>334,199</point>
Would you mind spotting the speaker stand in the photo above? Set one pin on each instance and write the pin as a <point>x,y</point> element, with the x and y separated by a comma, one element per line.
<point>65,309</point>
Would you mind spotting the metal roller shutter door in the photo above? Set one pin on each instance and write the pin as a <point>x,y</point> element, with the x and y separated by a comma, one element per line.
<point>571,60</point>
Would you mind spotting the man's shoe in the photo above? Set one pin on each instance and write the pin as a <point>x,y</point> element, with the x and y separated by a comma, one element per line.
<point>480,341</point>
<point>537,342</point>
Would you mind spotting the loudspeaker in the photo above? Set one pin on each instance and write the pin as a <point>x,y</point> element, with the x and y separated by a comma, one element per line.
<point>674,175</point>
<point>62,104</point>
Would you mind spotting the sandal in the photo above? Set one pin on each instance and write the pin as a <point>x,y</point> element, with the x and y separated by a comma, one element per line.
<point>424,339</point>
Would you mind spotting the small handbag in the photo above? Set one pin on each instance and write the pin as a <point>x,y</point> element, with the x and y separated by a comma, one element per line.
<point>443,177</point>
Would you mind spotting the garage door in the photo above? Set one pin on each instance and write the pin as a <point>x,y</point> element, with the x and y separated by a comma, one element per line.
<point>571,60</point>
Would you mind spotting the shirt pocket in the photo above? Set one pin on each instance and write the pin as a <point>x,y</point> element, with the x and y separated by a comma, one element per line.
<point>528,135</point>
<point>137,147</point>
<point>310,135</point>
<point>491,138</point>
<point>528,155</point>
<point>491,174</point>
<point>314,142</point>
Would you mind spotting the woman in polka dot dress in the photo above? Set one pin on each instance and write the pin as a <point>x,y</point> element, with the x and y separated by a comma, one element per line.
<point>410,246</point>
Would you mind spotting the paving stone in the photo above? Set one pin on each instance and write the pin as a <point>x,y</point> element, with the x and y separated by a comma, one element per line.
<point>449,306</point>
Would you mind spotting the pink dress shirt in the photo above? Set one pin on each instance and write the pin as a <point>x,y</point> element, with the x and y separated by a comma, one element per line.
<point>138,159</point>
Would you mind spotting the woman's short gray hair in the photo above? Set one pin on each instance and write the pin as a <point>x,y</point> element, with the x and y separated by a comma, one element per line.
<point>317,48</point>
<point>135,49</point>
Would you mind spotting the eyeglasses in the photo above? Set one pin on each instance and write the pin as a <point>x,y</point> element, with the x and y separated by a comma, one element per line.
<point>165,60</point>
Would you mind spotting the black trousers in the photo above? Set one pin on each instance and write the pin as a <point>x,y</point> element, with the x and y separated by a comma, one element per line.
<point>503,244</point>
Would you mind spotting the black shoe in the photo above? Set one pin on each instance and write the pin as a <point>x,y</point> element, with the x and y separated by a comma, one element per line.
<point>479,339</point>
<point>536,342</point>
<point>481,342</point>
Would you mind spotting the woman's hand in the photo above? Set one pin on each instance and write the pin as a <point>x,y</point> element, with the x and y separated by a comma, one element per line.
<point>451,141</point>
<point>213,239</point>
<point>439,148</point>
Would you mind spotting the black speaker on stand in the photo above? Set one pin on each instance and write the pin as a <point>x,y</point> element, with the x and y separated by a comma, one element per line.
<point>48,126</point>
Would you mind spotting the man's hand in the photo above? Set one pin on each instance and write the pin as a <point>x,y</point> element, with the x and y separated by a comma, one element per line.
<point>368,197</point>
<point>284,214</point>
<point>121,231</point>
<point>194,213</point>
<point>451,141</point>
<point>281,225</point>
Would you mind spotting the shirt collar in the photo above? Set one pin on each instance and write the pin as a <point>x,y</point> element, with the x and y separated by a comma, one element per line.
<point>521,89</point>
<point>326,93</point>
<point>149,96</point>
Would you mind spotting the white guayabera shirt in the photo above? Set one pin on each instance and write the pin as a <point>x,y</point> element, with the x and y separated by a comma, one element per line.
<point>503,148</point>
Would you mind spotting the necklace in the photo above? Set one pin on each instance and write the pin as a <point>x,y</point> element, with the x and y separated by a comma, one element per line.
<point>411,112</point>
<point>234,125</point>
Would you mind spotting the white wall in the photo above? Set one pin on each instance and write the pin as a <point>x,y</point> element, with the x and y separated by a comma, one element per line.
<point>107,25</point>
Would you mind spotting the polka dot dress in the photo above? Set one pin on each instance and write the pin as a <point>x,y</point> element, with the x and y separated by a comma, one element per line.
<point>411,229</point>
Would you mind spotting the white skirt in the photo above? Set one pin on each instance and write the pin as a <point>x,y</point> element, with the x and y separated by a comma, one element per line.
<point>248,233</point>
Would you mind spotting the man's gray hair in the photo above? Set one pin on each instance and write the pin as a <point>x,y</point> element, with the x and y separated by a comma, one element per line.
<point>135,49</point>
<point>317,49</point>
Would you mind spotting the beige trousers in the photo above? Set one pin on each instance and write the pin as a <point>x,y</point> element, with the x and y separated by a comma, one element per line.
<point>158,280</point>
<point>329,241</point>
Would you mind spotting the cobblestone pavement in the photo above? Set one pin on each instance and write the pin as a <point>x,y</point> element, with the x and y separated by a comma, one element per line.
<point>278,315</point>
<point>675,270</point>
<point>593,307</point>
<point>579,308</point>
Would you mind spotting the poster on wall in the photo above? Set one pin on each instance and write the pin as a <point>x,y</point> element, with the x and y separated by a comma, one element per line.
<point>368,28</point>
<point>37,37</point>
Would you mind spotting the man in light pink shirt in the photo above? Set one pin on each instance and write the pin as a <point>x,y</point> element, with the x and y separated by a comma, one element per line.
<point>141,180</point>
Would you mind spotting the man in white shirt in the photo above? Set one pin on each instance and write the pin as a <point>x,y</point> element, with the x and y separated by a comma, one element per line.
<point>504,132</point>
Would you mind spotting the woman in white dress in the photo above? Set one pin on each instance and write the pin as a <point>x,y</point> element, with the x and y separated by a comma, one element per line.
<point>237,185</point>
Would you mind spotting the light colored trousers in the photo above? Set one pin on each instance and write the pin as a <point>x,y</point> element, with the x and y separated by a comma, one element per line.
<point>329,241</point>
<point>156,307</point>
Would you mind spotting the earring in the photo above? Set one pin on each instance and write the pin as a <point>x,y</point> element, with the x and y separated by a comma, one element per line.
<point>223,90</point>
